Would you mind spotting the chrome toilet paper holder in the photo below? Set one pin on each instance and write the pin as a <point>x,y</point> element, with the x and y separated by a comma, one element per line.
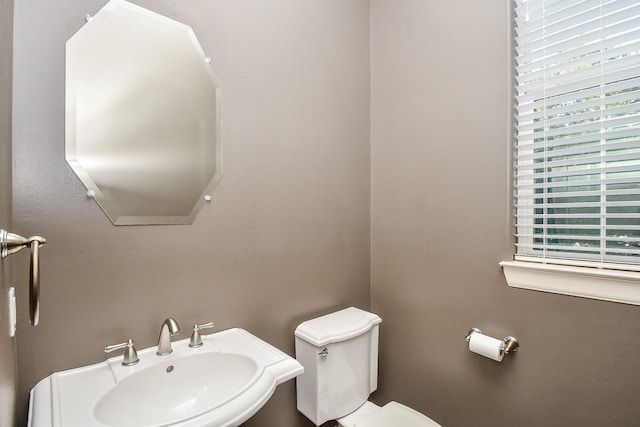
<point>509,344</point>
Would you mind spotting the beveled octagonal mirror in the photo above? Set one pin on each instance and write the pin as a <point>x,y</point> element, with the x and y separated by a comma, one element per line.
<point>143,116</point>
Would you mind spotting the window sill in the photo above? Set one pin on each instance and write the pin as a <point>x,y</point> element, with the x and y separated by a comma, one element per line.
<point>586,282</point>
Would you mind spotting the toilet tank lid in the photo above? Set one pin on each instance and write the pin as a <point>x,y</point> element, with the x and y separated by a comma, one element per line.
<point>335,327</point>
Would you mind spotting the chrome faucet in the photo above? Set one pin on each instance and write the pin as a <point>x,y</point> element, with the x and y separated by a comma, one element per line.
<point>169,328</point>
<point>130,353</point>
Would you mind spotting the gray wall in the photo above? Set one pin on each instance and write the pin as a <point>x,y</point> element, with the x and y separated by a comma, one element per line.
<point>8,379</point>
<point>440,226</point>
<point>286,236</point>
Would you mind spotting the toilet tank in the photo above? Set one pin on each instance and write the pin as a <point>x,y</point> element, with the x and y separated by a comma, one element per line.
<point>338,380</point>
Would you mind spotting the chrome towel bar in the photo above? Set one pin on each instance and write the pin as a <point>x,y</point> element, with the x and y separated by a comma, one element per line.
<point>11,243</point>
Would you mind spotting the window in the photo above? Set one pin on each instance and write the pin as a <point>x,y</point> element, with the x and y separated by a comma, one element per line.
<point>577,134</point>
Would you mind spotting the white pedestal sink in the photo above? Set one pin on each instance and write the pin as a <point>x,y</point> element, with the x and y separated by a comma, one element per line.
<point>222,383</point>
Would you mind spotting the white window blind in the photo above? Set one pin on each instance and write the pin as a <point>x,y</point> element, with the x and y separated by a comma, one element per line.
<point>577,128</point>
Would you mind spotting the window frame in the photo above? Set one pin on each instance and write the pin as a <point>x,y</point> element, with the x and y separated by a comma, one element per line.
<point>600,281</point>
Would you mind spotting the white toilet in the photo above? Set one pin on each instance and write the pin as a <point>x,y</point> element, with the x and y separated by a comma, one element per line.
<point>339,353</point>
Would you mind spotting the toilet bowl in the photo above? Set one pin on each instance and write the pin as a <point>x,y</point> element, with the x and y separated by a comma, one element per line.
<point>390,415</point>
<point>339,352</point>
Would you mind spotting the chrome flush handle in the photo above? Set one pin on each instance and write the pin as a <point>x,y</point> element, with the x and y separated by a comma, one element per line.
<point>11,243</point>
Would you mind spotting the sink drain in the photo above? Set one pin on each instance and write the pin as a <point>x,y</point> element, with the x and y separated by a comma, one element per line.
<point>169,368</point>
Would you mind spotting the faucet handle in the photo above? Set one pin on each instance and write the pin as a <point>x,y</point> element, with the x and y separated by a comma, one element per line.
<point>196,339</point>
<point>130,353</point>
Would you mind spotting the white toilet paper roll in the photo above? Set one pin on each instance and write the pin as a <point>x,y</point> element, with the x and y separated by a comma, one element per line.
<point>486,346</point>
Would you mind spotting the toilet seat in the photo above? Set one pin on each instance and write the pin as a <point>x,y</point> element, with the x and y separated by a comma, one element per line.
<point>396,414</point>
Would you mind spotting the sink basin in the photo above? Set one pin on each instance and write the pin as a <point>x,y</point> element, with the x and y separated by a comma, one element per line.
<point>176,390</point>
<point>222,383</point>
